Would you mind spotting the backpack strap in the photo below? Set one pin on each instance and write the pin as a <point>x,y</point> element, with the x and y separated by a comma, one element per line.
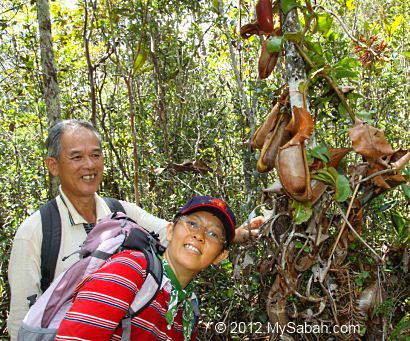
<point>147,293</point>
<point>114,205</point>
<point>50,246</point>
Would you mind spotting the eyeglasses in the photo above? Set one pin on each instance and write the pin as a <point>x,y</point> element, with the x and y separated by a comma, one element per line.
<point>212,234</point>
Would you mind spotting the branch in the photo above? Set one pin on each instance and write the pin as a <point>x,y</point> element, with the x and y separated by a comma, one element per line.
<point>344,223</point>
<point>358,42</point>
<point>382,172</point>
<point>358,235</point>
<point>329,79</point>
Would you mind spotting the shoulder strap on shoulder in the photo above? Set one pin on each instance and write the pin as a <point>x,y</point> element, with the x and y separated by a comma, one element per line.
<point>151,285</point>
<point>50,246</point>
<point>114,205</point>
<point>147,293</point>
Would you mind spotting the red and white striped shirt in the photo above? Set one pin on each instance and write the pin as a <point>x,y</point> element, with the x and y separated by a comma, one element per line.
<point>103,298</point>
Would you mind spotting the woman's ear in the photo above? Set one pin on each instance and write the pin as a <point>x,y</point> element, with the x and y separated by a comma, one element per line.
<point>170,231</point>
<point>52,165</point>
<point>222,256</point>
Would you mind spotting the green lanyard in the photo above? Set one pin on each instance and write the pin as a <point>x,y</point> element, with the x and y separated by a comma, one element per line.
<point>182,296</point>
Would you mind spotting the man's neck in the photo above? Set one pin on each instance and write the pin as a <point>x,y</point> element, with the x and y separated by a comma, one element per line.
<point>85,206</point>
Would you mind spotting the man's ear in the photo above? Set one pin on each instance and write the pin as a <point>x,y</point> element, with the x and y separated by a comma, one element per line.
<point>222,256</point>
<point>52,165</point>
<point>170,231</point>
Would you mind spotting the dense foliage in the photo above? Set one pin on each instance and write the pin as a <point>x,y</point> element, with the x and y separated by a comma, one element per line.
<point>175,79</point>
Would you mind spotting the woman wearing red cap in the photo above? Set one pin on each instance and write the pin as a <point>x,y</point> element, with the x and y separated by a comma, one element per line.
<point>199,236</point>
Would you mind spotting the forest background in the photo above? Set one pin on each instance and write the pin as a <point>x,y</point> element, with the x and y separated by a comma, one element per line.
<point>175,92</point>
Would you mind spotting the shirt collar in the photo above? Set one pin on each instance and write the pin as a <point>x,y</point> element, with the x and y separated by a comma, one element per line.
<point>75,217</point>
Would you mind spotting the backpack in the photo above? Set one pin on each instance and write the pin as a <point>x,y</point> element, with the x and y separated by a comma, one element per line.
<point>50,247</point>
<point>111,234</point>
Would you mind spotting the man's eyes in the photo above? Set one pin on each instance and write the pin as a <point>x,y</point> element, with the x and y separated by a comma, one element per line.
<point>80,157</point>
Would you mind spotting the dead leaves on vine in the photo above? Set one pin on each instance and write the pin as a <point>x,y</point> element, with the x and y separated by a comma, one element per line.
<point>371,50</point>
<point>371,143</point>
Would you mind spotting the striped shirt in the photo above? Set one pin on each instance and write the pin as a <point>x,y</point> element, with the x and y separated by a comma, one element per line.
<point>103,298</point>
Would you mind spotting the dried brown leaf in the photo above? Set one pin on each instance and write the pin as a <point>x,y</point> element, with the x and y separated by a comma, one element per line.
<point>369,142</point>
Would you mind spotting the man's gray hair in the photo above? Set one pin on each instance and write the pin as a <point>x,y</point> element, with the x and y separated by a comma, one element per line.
<point>53,142</point>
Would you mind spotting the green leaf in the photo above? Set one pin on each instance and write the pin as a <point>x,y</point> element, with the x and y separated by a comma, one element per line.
<point>321,153</point>
<point>140,60</point>
<point>365,115</point>
<point>398,222</point>
<point>406,190</point>
<point>342,110</point>
<point>325,175</point>
<point>343,190</point>
<point>274,44</point>
<point>350,5</point>
<point>341,72</point>
<point>303,211</point>
<point>295,37</point>
<point>288,5</point>
<point>215,6</point>
<point>395,24</point>
<point>324,22</point>
<point>301,87</point>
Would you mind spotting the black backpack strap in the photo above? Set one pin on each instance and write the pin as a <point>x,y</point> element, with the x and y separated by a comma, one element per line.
<point>50,246</point>
<point>114,205</point>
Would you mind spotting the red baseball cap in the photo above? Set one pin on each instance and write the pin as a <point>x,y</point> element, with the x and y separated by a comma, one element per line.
<point>215,206</point>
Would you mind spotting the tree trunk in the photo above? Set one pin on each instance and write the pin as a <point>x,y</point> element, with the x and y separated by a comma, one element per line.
<point>131,100</point>
<point>161,105</point>
<point>295,68</point>
<point>51,89</point>
<point>294,63</point>
<point>249,114</point>
<point>87,33</point>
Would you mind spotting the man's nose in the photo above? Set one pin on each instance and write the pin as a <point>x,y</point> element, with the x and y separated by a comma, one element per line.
<point>89,162</point>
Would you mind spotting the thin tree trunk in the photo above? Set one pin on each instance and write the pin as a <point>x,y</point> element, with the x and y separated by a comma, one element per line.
<point>128,79</point>
<point>51,89</point>
<point>87,33</point>
<point>162,113</point>
<point>131,101</point>
<point>250,118</point>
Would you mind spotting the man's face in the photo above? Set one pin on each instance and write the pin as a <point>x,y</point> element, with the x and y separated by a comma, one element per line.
<point>196,241</point>
<point>80,164</point>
